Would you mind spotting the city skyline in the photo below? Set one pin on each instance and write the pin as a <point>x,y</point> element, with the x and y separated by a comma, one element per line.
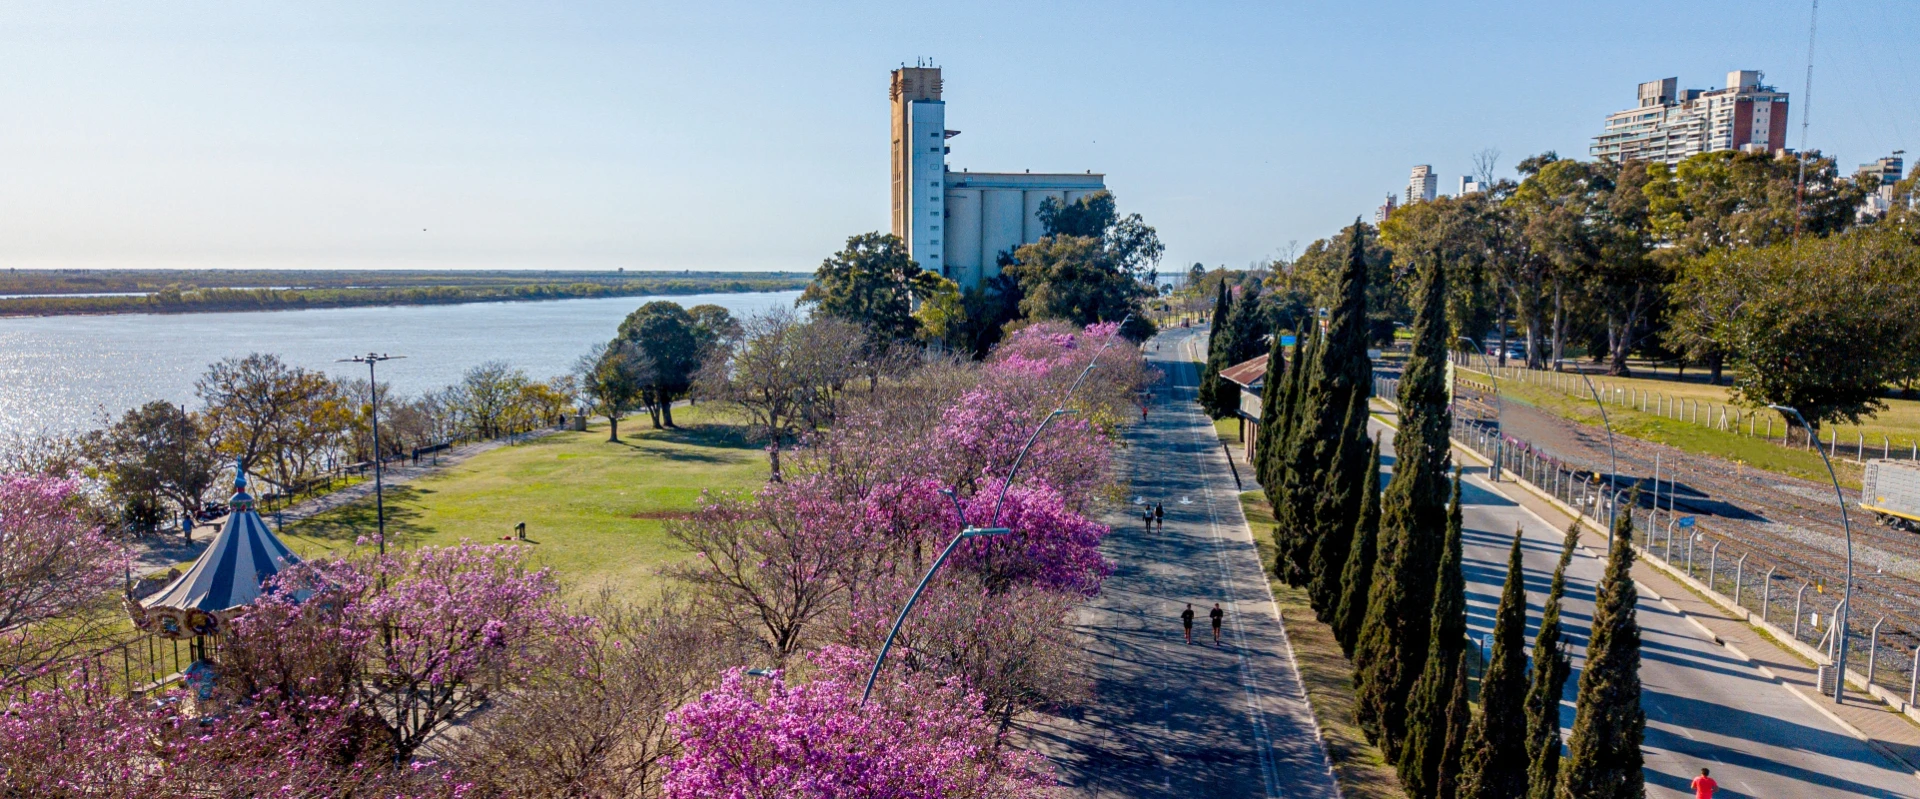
<point>751,137</point>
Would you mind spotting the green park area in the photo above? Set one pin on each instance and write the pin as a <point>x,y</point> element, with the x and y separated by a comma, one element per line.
<point>596,512</point>
<point>1899,425</point>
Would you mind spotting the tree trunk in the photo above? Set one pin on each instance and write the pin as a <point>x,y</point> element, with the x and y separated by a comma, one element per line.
<point>1714,362</point>
<point>1500,318</point>
<point>613,428</point>
<point>1559,326</point>
<point>653,412</point>
<point>666,412</point>
<point>773,461</point>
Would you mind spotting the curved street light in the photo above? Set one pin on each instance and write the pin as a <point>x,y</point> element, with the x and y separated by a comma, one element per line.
<point>966,531</point>
<point>1613,473</point>
<point>1846,589</point>
<point>1499,405</point>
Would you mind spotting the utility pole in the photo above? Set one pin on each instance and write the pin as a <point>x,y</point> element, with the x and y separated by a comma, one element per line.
<point>1806,104</point>
<point>373,403</point>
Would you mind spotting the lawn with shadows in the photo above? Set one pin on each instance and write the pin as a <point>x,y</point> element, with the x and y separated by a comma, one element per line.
<point>595,511</point>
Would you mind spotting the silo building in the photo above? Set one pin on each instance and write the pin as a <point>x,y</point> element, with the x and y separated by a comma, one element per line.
<point>959,223</point>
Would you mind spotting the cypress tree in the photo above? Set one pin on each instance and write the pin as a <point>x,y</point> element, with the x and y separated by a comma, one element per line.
<point>1392,648</point>
<point>1273,393</point>
<point>1551,667</point>
<point>1498,759</point>
<point>1246,323</point>
<point>1339,503</point>
<point>1357,575</point>
<point>1460,722</point>
<point>1279,487</point>
<point>1603,751</point>
<point>1340,368</point>
<point>1421,759</point>
<point>1217,343</point>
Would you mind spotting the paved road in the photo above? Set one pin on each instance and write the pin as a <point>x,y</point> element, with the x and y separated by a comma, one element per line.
<point>1704,706</point>
<point>1170,719</point>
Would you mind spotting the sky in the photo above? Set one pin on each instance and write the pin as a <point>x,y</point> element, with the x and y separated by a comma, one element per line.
<point>754,136</point>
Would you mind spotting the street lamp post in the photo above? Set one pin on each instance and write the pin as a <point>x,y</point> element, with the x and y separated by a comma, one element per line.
<point>1499,405</point>
<point>373,403</point>
<point>1613,472</point>
<point>1846,589</point>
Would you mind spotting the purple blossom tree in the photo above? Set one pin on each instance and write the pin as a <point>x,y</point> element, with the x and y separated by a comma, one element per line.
<point>52,566</point>
<point>918,738</point>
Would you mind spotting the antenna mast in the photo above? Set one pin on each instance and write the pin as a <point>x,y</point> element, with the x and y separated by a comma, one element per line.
<point>1806,104</point>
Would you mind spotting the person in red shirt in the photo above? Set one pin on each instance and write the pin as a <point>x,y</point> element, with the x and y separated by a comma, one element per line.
<point>1704,786</point>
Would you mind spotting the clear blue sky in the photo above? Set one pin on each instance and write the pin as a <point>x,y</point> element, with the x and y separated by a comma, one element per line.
<point>719,135</point>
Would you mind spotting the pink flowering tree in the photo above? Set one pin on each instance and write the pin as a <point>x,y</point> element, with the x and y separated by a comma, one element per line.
<point>89,741</point>
<point>918,738</point>
<point>1014,647</point>
<point>773,565</point>
<point>1050,547</point>
<point>419,638</point>
<point>52,566</point>
<point>979,438</point>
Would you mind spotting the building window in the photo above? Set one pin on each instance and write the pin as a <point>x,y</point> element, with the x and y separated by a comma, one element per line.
<point>935,241</point>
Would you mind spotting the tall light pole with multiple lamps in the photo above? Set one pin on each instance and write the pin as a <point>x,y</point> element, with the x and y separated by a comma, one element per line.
<point>373,403</point>
<point>1846,589</point>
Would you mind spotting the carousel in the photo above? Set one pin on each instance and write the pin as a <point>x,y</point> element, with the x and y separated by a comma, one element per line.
<point>226,578</point>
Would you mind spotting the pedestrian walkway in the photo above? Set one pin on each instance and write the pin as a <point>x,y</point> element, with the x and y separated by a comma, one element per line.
<point>1169,718</point>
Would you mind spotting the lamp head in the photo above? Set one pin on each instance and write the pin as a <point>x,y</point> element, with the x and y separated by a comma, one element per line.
<point>983,532</point>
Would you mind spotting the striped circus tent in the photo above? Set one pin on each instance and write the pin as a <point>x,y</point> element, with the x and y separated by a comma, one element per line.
<point>228,575</point>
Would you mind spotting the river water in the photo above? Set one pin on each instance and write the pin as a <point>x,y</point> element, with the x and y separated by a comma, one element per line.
<point>64,373</point>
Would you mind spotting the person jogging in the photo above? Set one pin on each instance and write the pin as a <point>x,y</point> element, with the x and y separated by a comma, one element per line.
<point>1160,516</point>
<point>1217,615</point>
<point>1704,786</point>
<point>1186,620</point>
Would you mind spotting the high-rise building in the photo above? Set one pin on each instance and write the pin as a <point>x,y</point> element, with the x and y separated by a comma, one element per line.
<point>1670,125</point>
<point>1888,171</point>
<point>1385,210</point>
<point>1471,185</point>
<point>960,223</point>
<point>1423,185</point>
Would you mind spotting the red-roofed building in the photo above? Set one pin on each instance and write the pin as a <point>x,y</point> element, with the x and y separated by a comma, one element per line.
<point>1251,376</point>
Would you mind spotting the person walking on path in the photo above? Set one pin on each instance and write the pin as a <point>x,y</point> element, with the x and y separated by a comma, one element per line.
<point>1216,614</point>
<point>1704,786</point>
<point>1160,516</point>
<point>1186,620</point>
<point>1146,515</point>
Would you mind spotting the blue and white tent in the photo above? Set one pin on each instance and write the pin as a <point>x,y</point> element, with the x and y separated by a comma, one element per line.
<point>228,575</point>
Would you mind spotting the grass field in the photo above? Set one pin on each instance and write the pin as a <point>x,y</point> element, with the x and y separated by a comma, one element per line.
<point>1362,772</point>
<point>595,511</point>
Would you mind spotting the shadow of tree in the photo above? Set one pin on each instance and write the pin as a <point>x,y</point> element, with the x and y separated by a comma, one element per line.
<point>342,525</point>
<point>690,439</point>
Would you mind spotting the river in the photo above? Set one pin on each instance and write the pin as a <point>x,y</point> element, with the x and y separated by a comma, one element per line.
<point>62,374</point>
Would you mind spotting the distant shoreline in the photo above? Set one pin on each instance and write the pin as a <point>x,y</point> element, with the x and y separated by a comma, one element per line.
<point>413,289</point>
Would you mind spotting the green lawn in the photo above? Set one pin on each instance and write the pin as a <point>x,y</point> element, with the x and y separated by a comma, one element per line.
<point>595,511</point>
<point>1228,428</point>
<point>1901,421</point>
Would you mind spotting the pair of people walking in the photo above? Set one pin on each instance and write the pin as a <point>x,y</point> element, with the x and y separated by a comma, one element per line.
<point>1152,515</point>
<point>1217,614</point>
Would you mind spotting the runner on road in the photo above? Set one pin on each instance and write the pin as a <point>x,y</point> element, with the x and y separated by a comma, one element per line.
<point>1704,786</point>
<point>1186,620</point>
<point>1217,614</point>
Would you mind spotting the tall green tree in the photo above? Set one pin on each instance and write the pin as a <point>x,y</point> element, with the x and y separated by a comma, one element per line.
<point>1460,721</point>
<point>1822,325</point>
<point>1336,506</point>
<point>1603,751</point>
<point>1497,763</point>
<point>1357,577</point>
<point>1247,325</point>
<point>1392,647</point>
<point>665,336</point>
<point>1315,446</point>
<point>156,452</point>
<point>1422,765</point>
<point>1273,390</point>
<point>1091,265</point>
<point>1211,390</point>
<point>872,283</point>
<point>1550,671</point>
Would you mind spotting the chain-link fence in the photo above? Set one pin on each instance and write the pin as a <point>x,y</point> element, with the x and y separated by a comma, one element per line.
<point>1785,570</point>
